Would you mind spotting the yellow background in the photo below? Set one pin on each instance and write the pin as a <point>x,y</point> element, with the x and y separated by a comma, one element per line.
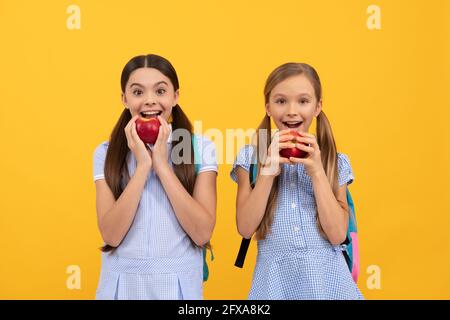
<point>386,93</point>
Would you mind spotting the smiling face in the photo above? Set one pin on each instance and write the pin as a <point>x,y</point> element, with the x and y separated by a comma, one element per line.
<point>149,93</point>
<point>293,104</point>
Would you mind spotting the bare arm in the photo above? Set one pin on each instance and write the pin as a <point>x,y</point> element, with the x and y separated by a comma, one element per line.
<point>333,211</point>
<point>115,217</point>
<point>251,203</point>
<point>197,213</point>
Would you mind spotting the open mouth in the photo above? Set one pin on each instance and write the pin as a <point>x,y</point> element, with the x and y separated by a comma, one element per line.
<point>292,124</point>
<point>150,114</point>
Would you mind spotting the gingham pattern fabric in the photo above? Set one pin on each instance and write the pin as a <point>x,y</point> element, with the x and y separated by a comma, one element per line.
<point>156,259</point>
<point>294,261</point>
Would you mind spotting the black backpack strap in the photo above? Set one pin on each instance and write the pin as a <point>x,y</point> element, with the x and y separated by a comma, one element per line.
<point>245,242</point>
<point>242,253</point>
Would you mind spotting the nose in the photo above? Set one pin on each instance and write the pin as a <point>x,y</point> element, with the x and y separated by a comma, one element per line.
<point>150,99</point>
<point>292,110</point>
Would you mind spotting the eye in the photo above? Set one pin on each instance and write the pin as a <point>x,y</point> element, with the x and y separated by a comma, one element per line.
<point>280,101</point>
<point>304,101</point>
<point>137,92</point>
<point>161,91</point>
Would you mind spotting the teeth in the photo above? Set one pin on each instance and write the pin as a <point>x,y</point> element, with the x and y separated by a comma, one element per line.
<point>290,123</point>
<point>150,113</point>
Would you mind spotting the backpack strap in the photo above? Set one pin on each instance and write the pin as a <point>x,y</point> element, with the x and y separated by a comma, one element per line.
<point>196,154</point>
<point>253,171</point>
<point>197,169</point>
<point>352,251</point>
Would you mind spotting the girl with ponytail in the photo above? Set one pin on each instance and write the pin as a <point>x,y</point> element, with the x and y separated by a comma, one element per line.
<point>298,207</point>
<point>155,213</point>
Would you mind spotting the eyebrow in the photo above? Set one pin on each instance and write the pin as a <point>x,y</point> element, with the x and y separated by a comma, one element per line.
<point>155,85</point>
<point>301,94</point>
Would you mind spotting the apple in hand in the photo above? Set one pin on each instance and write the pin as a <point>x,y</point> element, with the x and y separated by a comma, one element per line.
<point>293,152</point>
<point>147,129</point>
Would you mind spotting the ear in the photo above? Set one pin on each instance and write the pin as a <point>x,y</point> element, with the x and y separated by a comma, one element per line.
<point>318,108</point>
<point>124,100</point>
<point>267,109</point>
<point>177,96</point>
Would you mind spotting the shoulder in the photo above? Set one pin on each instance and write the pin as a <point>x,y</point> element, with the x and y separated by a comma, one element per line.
<point>243,159</point>
<point>99,160</point>
<point>246,152</point>
<point>102,146</point>
<point>343,159</point>
<point>204,153</point>
<point>201,140</point>
<point>100,150</point>
<point>345,171</point>
<point>203,145</point>
<point>246,156</point>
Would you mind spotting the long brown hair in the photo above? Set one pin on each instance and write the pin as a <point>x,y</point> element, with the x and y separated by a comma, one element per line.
<point>324,135</point>
<point>116,169</point>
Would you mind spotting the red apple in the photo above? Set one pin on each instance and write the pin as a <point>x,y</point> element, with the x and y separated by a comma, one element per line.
<point>293,152</point>
<point>147,129</point>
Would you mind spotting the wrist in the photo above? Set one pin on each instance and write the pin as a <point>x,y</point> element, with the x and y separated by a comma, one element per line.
<point>145,167</point>
<point>269,167</point>
<point>269,171</point>
<point>161,167</point>
<point>263,176</point>
<point>318,174</point>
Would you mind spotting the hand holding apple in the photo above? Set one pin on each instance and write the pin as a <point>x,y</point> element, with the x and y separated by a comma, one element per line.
<point>136,145</point>
<point>160,150</point>
<point>271,165</point>
<point>313,162</point>
<point>294,151</point>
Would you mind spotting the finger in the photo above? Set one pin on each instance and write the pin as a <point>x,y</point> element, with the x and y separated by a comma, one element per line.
<point>275,137</point>
<point>134,133</point>
<point>166,129</point>
<point>306,134</point>
<point>284,161</point>
<point>308,137</point>
<point>160,135</point>
<point>297,160</point>
<point>162,120</point>
<point>127,132</point>
<point>286,145</point>
<point>132,120</point>
<point>303,138</point>
<point>164,124</point>
<point>286,137</point>
<point>303,147</point>
<point>307,140</point>
<point>283,132</point>
<point>129,139</point>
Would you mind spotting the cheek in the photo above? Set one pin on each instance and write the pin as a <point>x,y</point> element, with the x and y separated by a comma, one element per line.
<point>308,113</point>
<point>276,112</point>
<point>134,100</point>
<point>167,102</point>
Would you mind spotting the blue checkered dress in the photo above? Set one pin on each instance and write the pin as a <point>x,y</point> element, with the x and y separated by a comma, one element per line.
<point>294,261</point>
<point>156,259</point>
